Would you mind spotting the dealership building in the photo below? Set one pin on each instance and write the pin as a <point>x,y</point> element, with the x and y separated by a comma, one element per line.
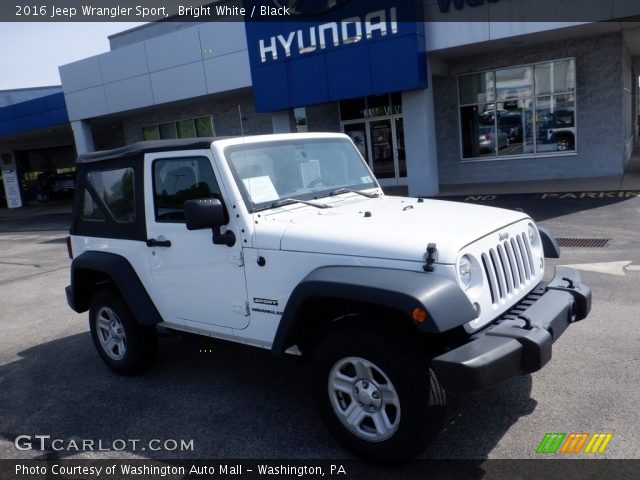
<point>461,97</point>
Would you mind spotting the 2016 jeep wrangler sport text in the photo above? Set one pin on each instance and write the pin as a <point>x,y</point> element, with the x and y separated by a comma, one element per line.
<point>287,242</point>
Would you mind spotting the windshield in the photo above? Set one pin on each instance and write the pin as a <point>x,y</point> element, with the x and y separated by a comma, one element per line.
<point>301,169</point>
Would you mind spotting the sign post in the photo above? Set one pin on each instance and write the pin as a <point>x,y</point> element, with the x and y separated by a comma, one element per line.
<point>10,180</point>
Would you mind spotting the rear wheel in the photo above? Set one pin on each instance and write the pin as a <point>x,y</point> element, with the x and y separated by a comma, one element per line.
<point>564,143</point>
<point>379,398</point>
<point>124,345</point>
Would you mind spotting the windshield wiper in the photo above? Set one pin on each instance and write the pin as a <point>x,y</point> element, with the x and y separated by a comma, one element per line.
<point>291,201</point>
<point>350,190</point>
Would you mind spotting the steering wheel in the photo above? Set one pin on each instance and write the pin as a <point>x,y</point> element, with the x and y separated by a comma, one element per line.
<point>316,182</point>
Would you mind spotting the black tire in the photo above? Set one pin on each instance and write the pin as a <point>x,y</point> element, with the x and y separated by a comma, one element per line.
<point>564,143</point>
<point>135,345</point>
<point>421,399</point>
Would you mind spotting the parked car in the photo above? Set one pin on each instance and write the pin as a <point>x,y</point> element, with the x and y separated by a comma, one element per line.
<point>511,124</point>
<point>288,243</point>
<point>487,139</point>
<point>64,184</point>
<point>488,117</point>
<point>559,128</point>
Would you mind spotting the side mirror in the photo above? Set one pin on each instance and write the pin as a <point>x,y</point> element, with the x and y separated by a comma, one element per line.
<point>209,213</point>
<point>204,213</point>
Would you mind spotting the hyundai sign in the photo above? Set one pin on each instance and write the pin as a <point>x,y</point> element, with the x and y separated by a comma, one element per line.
<point>308,55</point>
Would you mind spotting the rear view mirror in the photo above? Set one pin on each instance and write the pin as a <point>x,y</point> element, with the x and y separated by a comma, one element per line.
<point>204,213</point>
<point>209,213</point>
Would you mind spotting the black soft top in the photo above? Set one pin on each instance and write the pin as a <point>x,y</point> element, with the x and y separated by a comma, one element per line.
<point>140,148</point>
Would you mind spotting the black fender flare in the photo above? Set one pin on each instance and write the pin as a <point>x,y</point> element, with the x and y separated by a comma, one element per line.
<point>550,246</point>
<point>122,275</point>
<point>446,304</point>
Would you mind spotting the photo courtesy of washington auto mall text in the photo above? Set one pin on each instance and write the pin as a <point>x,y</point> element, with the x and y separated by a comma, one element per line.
<point>124,469</point>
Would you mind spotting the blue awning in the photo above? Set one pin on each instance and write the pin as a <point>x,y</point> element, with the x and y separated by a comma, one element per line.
<point>33,114</point>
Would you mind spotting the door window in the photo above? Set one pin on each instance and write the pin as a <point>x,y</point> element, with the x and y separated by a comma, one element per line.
<point>177,180</point>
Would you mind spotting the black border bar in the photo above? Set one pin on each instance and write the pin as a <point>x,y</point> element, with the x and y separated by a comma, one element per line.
<point>68,469</point>
<point>316,10</point>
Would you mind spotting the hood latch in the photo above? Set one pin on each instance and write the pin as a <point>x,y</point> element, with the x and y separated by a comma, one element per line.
<point>432,257</point>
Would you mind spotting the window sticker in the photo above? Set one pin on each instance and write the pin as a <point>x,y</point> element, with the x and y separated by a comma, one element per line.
<point>261,189</point>
<point>365,179</point>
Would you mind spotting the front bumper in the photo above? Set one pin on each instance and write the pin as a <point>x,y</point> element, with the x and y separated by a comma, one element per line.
<point>518,342</point>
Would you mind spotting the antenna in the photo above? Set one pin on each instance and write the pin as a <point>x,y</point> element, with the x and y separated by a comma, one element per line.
<point>240,116</point>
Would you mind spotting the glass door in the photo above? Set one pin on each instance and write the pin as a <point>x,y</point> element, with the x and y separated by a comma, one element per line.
<point>382,149</point>
<point>381,143</point>
<point>358,134</point>
<point>400,152</point>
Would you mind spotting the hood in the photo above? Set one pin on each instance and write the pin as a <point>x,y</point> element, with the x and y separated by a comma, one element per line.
<point>386,227</point>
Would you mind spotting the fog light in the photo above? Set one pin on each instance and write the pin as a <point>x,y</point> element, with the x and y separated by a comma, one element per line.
<point>477,308</point>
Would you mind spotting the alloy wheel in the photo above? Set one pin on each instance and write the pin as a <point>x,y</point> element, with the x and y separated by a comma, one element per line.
<point>364,399</point>
<point>111,333</point>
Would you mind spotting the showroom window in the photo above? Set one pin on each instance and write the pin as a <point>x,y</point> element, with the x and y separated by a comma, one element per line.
<point>188,128</point>
<point>525,110</point>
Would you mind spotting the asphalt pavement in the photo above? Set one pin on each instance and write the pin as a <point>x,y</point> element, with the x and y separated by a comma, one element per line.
<point>240,402</point>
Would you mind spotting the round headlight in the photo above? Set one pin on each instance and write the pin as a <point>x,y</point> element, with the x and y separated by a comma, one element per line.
<point>533,235</point>
<point>464,271</point>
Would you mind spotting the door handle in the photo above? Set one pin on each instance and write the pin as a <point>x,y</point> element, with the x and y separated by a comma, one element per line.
<point>152,242</point>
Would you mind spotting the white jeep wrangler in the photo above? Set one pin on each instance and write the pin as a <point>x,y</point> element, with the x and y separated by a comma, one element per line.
<point>287,242</point>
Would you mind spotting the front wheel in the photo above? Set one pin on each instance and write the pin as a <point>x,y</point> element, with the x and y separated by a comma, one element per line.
<point>124,345</point>
<point>563,144</point>
<point>379,398</point>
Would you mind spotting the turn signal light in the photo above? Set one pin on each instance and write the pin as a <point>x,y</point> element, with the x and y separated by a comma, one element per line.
<point>419,315</point>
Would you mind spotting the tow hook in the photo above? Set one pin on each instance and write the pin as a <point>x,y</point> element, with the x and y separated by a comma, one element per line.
<point>580,293</point>
<point>527,322</point>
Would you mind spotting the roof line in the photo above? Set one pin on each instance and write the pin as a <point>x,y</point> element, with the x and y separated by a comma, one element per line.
<point>148,147</point>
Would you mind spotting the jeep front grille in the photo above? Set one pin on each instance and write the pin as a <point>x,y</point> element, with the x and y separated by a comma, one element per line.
<point>508,267</point>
